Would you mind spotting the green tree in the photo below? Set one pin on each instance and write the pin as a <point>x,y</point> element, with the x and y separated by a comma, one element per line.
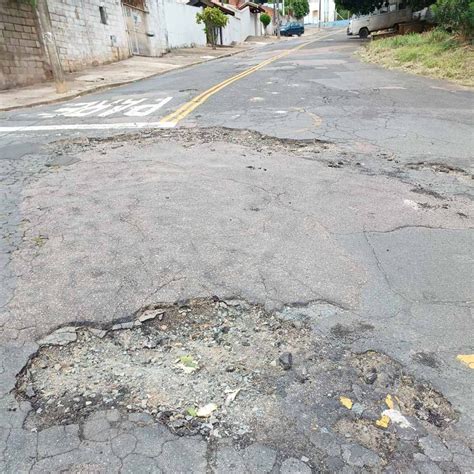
<point>212,18</point>
<point>344,14</point>
<point>265,19</point>
<point>299,8</point>
<point>456,15</point>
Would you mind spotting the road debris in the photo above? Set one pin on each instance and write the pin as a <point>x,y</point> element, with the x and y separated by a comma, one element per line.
<point>206,410</point>
<point>151,314</point>
<point>60,337</point>
<point>389,401</point>
<point>231,396</point>
<point>100,333</point>
<point>187,364</point>
<point>286,360</point>
<point>346,402</point>
<point>215,369</point>
<point>383,421</point>
<point>396,417</point>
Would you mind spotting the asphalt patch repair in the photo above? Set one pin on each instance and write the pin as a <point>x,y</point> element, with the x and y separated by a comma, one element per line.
<point>427,178</point>
<point>230,369</point>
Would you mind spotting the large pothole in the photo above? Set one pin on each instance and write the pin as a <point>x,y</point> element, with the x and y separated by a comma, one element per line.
<point>232,369</point>
<point>200,367</point>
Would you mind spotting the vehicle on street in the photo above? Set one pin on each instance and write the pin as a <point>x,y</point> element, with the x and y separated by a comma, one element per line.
<point>292,29</point>
<point>388,16</point>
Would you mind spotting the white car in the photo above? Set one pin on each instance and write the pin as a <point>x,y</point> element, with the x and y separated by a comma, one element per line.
<point>389,16</point>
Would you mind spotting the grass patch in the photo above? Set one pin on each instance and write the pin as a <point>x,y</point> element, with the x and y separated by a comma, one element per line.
<point>435,53</point>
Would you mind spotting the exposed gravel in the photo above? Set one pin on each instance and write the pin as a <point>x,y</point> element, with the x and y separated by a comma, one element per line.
<point>230,369</point>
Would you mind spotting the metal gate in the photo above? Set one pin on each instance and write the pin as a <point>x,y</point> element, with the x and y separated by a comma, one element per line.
<point>136,23</point>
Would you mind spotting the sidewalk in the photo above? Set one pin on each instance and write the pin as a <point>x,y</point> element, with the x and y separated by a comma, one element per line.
<point>115,74</point>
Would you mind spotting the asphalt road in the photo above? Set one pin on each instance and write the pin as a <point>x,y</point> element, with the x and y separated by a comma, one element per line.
<point>293,176</point>
<point>320,91</point>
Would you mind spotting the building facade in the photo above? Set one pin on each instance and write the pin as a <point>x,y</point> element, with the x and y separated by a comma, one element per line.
<point>328,12</point>
<point>94,32</point>
<point>87,33</point>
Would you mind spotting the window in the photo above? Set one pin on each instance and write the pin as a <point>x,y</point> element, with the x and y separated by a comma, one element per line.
<point>103,15</point>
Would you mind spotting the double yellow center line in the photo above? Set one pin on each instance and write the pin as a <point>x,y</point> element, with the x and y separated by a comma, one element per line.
<point>175,117</point>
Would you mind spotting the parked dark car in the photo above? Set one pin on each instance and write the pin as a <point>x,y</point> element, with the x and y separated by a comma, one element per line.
<point>291,29</point>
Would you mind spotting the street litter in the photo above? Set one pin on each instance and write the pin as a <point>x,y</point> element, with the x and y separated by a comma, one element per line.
<point>206,410</point>
<point>187,364</point>
<point>231,397</point>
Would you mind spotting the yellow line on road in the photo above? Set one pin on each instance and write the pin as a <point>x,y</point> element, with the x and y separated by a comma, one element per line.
<point>179,114</point>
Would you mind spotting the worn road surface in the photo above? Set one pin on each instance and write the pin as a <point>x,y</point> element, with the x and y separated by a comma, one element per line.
<point>325,202</point>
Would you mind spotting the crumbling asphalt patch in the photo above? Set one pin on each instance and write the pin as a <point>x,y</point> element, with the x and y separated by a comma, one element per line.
<point>427,178</point>
<point>230,369</point>
<point>194,136</point>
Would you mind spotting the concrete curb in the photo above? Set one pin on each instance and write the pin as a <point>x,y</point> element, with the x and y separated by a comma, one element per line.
<point>102,87</point>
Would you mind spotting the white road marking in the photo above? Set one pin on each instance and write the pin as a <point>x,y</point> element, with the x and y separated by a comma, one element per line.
<point>146,109</point>
<point>120,106</point>
<point>104,108</point>
<point>87,126</point>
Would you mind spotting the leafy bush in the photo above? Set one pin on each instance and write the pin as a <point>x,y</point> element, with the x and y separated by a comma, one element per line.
<point>213,18</point>
<point>456,15</point>
<point>265,19</point>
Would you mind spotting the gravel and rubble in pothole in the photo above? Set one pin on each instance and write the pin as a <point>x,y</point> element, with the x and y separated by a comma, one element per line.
<point>231,370</point>
<point>203,367</point>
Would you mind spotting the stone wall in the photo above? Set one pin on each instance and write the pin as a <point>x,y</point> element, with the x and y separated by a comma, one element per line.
<point>82,38</point>
<point>22,58</point>
<point>87,33</point>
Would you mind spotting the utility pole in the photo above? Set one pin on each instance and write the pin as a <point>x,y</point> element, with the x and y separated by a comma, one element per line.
<point>50,43</point>
<point>274,16</point>
<point>319,12</point>
<point>278,18</point>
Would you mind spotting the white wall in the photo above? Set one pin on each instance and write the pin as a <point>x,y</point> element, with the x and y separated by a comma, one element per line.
<point>232,32</point>
<point>247,24</point>
<point>182,29</point>
<point>155,22</point>
<point>241,26</point>
<point>328,11</point>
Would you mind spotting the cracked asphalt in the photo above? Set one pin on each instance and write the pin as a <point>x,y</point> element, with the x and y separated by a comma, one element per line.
<point>321,188</point>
